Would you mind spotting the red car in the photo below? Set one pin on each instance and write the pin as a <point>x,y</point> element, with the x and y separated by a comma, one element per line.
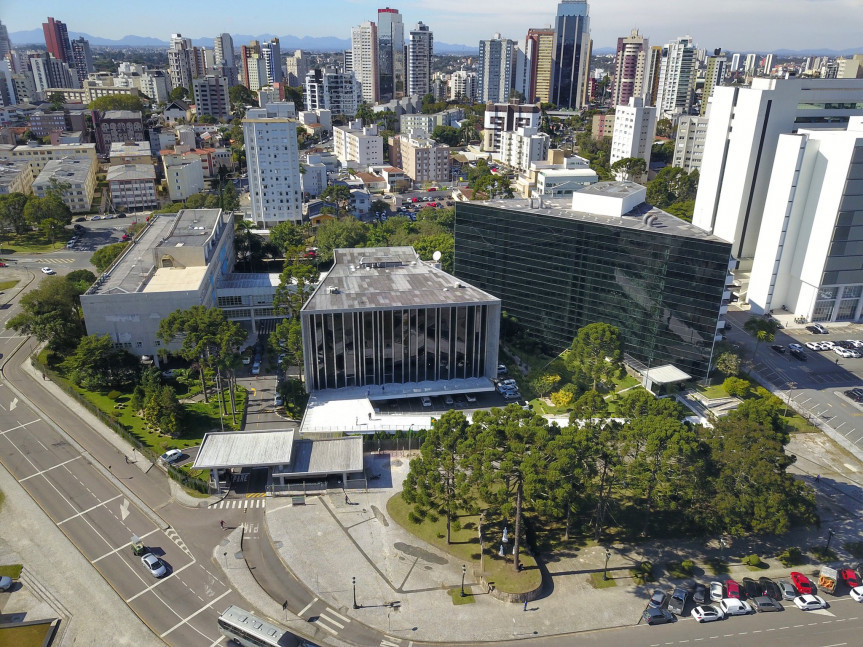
<point>849,577</point>
<point>732,589</point>
<point>802,584</point>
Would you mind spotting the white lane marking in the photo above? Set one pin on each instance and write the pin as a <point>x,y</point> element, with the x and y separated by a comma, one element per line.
<point>203,608</point>
<point>21,426</point>
<point>159,581</point>
<point>13,404</point>
<point>323,626</point>
<point>338,615</point>
<point>124,509</point>
<point>324,616</point>
<point>83,512</point>
<point>126,545</point>
<point>49,469</point>
<point>307,607</point>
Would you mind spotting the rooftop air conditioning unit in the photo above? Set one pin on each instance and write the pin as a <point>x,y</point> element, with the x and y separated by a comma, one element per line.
<point>332,290</point>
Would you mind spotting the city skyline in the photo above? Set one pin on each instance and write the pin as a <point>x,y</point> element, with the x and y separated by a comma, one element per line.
<point>802,24</point>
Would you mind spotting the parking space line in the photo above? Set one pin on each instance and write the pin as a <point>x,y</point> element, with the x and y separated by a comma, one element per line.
<point>21,426</point>
<point>126,545</point>
<point>307,607</point>
<point>202,609</point>
<point>49,469</point>
<point>83,512</point>
<point>159,581</point>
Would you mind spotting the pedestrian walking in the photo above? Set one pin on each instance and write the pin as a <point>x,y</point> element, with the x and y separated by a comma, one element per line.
<point>347,502</point>
<point>126,458</point>
<point>222,524</point>
<point>43,377</point>
<point>525,605</point>
<point>818,478</point>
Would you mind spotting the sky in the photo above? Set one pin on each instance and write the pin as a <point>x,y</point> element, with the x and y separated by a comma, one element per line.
<point>729,24</point>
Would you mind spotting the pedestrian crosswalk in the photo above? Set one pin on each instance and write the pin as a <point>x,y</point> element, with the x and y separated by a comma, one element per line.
<point>238,504</point>
<point>60,259</point>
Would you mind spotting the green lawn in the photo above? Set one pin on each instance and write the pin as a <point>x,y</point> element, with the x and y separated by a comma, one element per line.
<point>597,582</point>
<point>465,548</point>
<point>7,285</point>
<point>27,636</point>
<point>11,570</point>
<point>713,392</point>
<point>33,243</point>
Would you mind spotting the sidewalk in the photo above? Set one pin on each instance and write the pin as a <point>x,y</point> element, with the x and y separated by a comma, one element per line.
<point>359,540</point>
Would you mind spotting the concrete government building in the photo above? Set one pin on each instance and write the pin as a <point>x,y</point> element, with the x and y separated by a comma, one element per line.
<point>602,255</point>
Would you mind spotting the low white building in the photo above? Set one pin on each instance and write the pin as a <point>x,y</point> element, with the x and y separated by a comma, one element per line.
<point>559,182</point>
<point>77,174</point>
<point>15,177</point>
<point>183,175</point>
<point>634,128</point>
<point>521,147</point>
<point>357,146</point>
<point>809,258</point>
<point>132,186</point>
<point>314,178</point>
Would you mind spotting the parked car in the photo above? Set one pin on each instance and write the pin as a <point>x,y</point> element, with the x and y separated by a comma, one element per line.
<point>79,219</point>
<point>857,594</point>
<point>502,369</point>
<point>810,602</point>
<point>155,565</point>
<point>426,401</point>
<point>798,354</point>
<point>849,577</point>
<point>654,616</point>
<point>855,394</point>
<point>171,373</point>
<point>716,591</point>
<point>779,348</point>
<point>171,456</point>
<point>657,600</point>
<point>732,589</point>
<point>751,588</point>
<point>48,270</point>
<point>734,607</point>
<point>814,345</point>
<point>842,352</point>
<point>278,401</point>
<point>787,589</point>
<point>448,400</point>
<point>802,583</point>
<point>762,603</point>
<point>707,614</point>
<point>256,368</point>
<point>699,594</point>
<point>470,397</point>
<point>96,218</point>
<point>817,329</point>
<point>677,601</point>
<point>5,583</point>
<point>769,588</point>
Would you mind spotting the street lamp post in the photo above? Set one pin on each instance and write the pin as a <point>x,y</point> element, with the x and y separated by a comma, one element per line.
<point>463,571</point>
<point>722,545</point>
<point>354,582</point>
<point>791,387</point>
<point>830,534</point>
<point>605,572</point>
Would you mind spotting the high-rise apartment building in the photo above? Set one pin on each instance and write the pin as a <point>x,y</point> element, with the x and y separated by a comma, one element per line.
<point>271,52</point>
<point>420,157</point>
<point>741,147</point>
<point>254,66</point>
<point>654,63</point>
<point>5,43</point>
<point>521,147</point>
<point>223,58</point>
<point>392,75</point>
<point>273,161</point>
<point>767,67</point>
<point>331,90</point>
<point>50,72</point>
<point>749,64</point>
<point>463,85</point>
<point>809,258</point>
<point>364,60</point>
<point>677,73</point>
<point>501,117</point>
<point>713,76</point>
<point>82,57</point>
<point>495,69</point>
<point>634,127</point>
<point>689,144</point>
<point>57,40</point>
<point>184,63</point>
<point>296,68</point>
<point>420,54</point>
<point>572,47</point>
<point>735,63</point>
<point>538,53</point>
<point>630,68</point>
<point>211,96</point>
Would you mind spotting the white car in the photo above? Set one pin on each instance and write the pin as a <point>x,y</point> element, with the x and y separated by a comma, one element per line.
<point>857,594</point>
<point>426,401</point>
<point>734,607</point>
<point>470,397</point>
<point>96,218</point>
<point>716,591</point>
<point>48,270</point>
<point>154,564</point>
<point>856,343</point>
<point>809,602</point>
<point>842,352</point>
<point>814,345</point>
<point>707,614</point>
<point>171,456</point>
<point>256,368</point>
<point>826,345</point>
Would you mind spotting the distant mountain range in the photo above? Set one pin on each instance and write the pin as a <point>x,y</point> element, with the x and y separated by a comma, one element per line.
<point>605,51</point>
<point>288,43</point>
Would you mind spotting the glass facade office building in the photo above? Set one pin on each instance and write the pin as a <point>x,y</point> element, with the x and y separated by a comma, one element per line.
<point>384,317</point>
<point>662,282</point>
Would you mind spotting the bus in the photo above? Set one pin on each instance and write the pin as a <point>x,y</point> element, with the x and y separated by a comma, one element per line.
<point>250,631</point>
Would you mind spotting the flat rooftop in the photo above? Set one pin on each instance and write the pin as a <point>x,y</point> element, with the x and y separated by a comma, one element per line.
<point>193,227</point>
<point>9,171</point>
<point>374,278</point>
<point>68,169</point>
<point>131,172</point>
<point>176,279</point>
<point>245,449</point>
<point>664,223</point>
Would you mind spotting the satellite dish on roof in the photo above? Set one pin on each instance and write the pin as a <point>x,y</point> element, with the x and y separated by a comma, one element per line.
<point>436,256</point>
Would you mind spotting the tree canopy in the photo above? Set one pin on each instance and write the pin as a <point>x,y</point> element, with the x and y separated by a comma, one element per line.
<point>119,102</point>
<point>596,353</point>
<point>104,256</point>
<point>50,313</point>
